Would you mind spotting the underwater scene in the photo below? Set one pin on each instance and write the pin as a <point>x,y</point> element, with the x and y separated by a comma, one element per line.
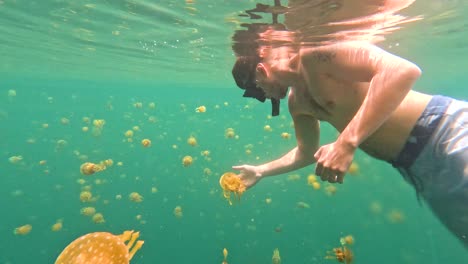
<point>121,121</point>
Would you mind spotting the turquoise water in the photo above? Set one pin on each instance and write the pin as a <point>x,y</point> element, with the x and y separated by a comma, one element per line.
<point>71,60</point>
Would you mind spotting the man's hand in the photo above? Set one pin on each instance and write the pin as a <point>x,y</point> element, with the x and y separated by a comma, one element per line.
<point>249,174</point>
<point>333,161</point>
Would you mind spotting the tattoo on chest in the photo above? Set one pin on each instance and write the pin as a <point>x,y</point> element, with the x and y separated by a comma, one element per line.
<point>326,56</point>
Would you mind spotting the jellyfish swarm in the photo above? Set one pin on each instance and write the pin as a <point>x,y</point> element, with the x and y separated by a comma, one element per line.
<point>102,248</point>
<point>231,183</point>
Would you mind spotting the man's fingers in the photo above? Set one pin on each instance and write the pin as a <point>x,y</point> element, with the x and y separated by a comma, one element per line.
<point>340,177</point>
<point>238,167</point>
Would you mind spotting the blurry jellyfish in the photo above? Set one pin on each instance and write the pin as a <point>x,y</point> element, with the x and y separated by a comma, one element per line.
<point>42,162</point>
<point>178,211</point>
<point>200,109</point>
<point>57,226</point>
<point>11,93</point>
<point>15,159</point>
<point>86,196</point>
<point>129,133</point>
<point>85,129</point>
<point>192,141</point>
<point>152,105</point>
<point>146,142</point>
<point>138,105</point>
<point>229,133</point>
<point>316,185</point>
<point>375,207</point>
<point>88,211</point>
<point>154,190</point>
<point>45,125</point>
<point>276,259</point>
<point>136,128</point>
<point>268,200</point>
<point>353,168</point>
<point>330,190</point>
<point>135,197</point>
<point>347,240</point>
<point>285,135</point>
<point>207,171</point>
<point>311,179</point>
<point>231,183</point>
<point>342,254</point>
<point>396,216</point>
<point>98,125</point>
<point>98,218</point>
<point>267,128</point>
<point>294,177</point>
<point>23,230</point>
<point>225,254</point>
<point>303,205</point>
<point>101,247</point>
<point>187,161</point>
<point>64,121</point>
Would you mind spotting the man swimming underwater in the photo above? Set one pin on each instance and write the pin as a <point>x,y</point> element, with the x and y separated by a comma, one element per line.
<point>366,94</point>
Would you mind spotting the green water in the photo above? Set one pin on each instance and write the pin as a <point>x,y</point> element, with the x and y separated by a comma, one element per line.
<point>63,61</point>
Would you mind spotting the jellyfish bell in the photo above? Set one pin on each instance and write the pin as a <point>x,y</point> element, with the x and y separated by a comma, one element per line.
<point>101,247</point>
<point>231,183</point>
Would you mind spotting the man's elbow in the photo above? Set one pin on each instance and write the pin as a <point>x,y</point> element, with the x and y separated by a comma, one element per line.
<point>412,72</point>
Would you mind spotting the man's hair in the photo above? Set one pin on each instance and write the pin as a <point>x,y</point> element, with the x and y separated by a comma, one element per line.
<point>245,46</point>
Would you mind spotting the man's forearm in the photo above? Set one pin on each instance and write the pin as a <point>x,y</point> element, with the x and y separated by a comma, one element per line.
<point>293,160</point>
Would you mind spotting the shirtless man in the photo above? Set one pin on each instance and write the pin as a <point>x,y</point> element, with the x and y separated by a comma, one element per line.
<point>366,94</point>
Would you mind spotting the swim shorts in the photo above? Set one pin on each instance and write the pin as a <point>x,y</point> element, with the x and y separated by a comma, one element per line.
<point>435,161</point>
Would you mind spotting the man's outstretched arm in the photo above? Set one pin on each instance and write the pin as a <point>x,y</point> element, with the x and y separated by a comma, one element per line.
<point>307,136</point>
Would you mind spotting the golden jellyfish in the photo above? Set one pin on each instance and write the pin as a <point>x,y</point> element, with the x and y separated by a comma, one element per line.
<point>342,254</point>
<point>128,133</point>
<point>276,258</point>
<point>154,190</point>
<point>15,159</point>
<point>311,179</point>
<point>225,254</point>
<point>57,226</point>
<point>178,211</point>
<point>89,168</point>
<point>146,142</point>
<point>229,133</point>
<point>200,109</point>
<point>285,135</point>
<point>330,190</point>
<point>152,105</point>
<point>187,161</point>
<point>316,185</point>
<point>102,248</point>
<point>267,128</point>
<point>135,197</point>
<point>138,105</point>
<point>192,141</point>
<point>88,211</point>
<point>231,183</point>
<point>64,121</point>
<point>86,196</point>
<point>98,218</point>
<point>347,240</point>
<point>23,230</point>
<point>353,168</point>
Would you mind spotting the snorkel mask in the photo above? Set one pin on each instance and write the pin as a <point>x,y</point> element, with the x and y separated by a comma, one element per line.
<point>245,46</point>
<point>244,75</point>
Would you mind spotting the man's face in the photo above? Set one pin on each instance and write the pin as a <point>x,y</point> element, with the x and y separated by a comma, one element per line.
<point>269,84</point>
